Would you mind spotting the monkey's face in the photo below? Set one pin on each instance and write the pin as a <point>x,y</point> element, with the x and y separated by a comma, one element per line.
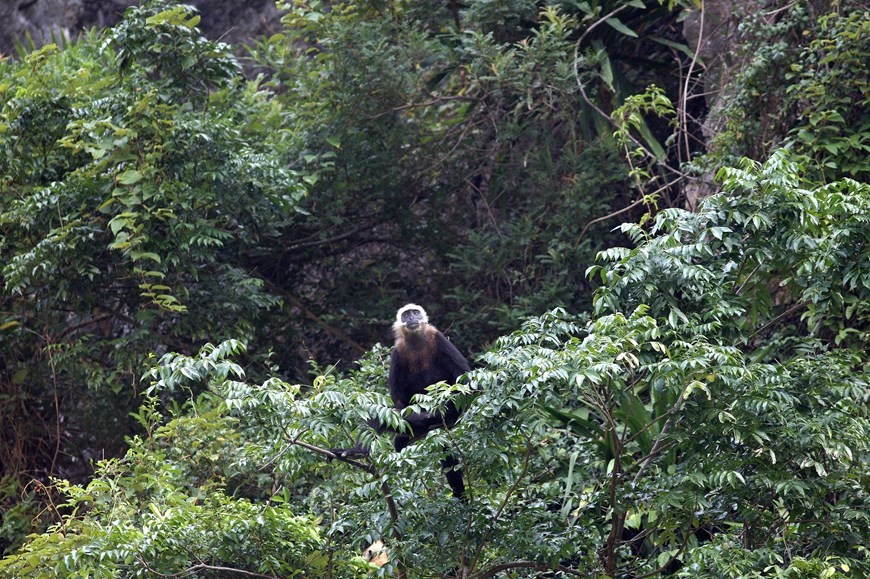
<point>412,317</point>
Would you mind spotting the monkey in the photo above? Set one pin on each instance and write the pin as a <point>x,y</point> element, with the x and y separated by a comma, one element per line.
<point>421,356</point>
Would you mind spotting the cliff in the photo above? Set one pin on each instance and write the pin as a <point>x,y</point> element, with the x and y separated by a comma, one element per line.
<point>232,21</point>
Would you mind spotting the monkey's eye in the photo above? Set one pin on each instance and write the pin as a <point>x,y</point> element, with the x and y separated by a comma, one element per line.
<point>411,315</point>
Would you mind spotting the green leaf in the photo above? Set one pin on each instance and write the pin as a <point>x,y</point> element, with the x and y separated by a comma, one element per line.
<point>137,255</point>
<point>129,177</point>
<point>606,70</point>
<point>617,24</point>
<point>118,223</point>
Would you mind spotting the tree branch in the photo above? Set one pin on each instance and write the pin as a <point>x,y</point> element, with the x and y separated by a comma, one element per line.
<point>623,210</point>
<point>385,488</point>
<point>204,567</point>
<point>331,455</point>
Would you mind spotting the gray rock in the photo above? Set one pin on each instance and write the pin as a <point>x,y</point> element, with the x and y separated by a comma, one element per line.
<point>231,21</point>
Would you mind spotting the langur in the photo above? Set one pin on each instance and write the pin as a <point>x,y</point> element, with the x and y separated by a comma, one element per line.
<point>421,356</point>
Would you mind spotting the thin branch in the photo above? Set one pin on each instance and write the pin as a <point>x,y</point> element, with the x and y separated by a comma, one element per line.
<point>748,277</point>
<point>617,519</point>
<point>657,445</point>
<point>331,330</point>
<point>683,111</point>
<point>316,241</point>
<point>778,318</point>
<point>603,114</point>
<point>48,344</point>
<point>90,322</point>
<point>204,567</point>
<point>592,27</point>
<point>778,10</point>
<point>56,395</point>
<point>606,217</point>
<point>623,210</point>
<point>332,456</point>
<point>434,101</point>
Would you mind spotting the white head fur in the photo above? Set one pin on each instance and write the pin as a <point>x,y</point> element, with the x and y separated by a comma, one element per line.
<point>410,317</point>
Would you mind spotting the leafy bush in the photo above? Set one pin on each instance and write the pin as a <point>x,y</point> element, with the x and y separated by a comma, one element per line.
<point>154,511</point>
<point>801,83</point>
<point>695,424</point>
<point>831,90</point>
<point>139,173</point>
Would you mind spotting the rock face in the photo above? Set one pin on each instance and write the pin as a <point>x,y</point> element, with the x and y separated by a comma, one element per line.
<point>713,34</point>
<point>39,18</point>
<point>232,21</point>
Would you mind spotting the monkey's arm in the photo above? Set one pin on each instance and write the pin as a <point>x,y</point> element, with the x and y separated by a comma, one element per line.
<point>393,385</point>
<point>450,359</point>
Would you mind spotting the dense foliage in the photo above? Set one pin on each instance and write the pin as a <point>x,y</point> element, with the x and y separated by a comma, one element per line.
<point>184,247</point>
<point>138,172</point>
<point>802,82</point>
<point>677,429</point>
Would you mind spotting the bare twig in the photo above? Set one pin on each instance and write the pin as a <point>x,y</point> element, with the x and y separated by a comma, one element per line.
<point>778,318</point>
<point>623,210</point>
<point>683,112</point>
<point>748,277</point>
<point>592,27</point>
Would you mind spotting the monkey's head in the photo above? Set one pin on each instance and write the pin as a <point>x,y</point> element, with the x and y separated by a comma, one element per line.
<point>410,318</point>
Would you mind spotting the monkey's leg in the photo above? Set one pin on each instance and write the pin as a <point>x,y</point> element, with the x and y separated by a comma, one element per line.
<point>453,472</point>
<point>420,424</point>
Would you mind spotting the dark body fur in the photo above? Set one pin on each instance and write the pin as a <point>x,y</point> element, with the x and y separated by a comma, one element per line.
<point>423,356</point>
<point>421,359</point>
